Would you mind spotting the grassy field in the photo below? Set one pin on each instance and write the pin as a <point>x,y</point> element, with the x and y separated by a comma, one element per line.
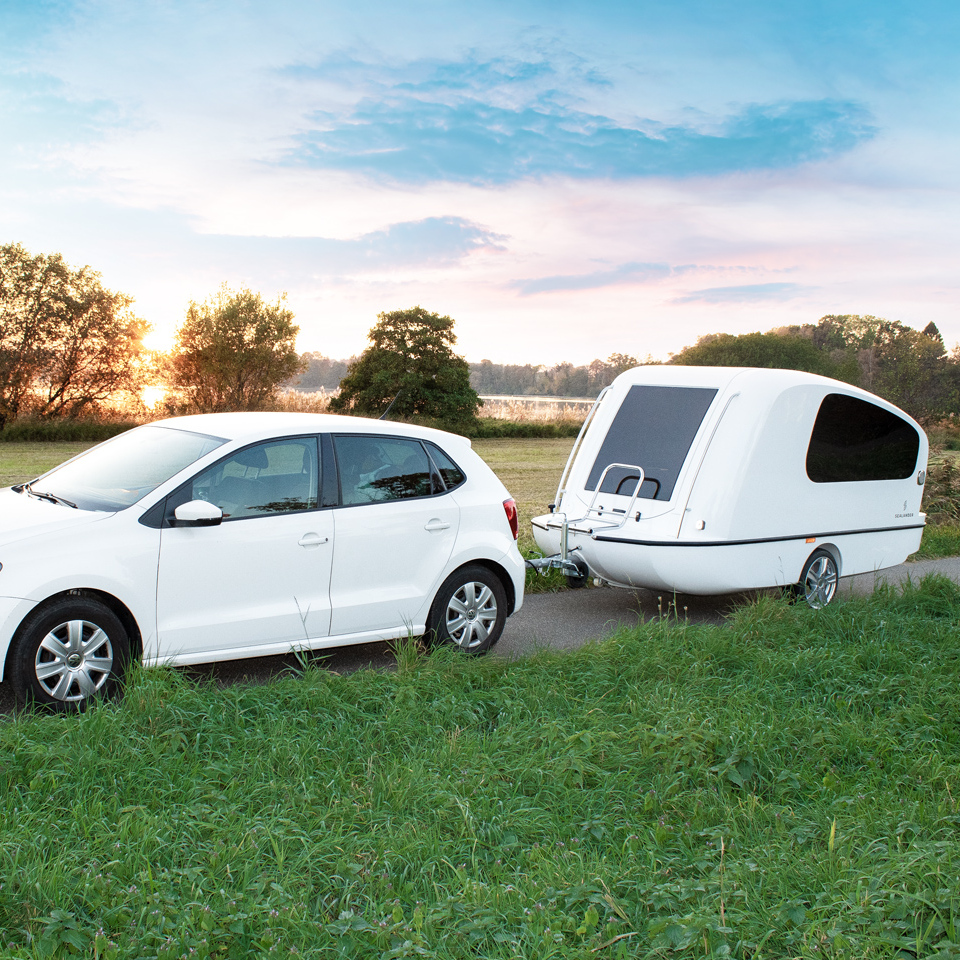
<point>24,461</point>
<point>531,471</point>
<point>784,786</point>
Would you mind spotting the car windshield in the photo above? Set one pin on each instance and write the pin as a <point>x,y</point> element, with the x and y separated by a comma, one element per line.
<point>115,474</point>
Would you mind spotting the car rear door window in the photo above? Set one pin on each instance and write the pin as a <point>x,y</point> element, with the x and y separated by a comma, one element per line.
<point>374,469</point>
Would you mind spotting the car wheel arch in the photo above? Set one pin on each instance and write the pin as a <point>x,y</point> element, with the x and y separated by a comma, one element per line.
<point>500,573</point>
<point>119,609</point>
<point>834,552</point>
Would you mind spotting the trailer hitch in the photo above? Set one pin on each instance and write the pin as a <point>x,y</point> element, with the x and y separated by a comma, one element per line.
<point>561,561</point>
<point>570,568</point>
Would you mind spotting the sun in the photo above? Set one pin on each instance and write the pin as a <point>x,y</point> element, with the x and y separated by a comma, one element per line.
<point>159,341</point>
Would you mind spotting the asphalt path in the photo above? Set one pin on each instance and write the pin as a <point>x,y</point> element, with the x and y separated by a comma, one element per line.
<point>566,620</point>
<point>555,621</point>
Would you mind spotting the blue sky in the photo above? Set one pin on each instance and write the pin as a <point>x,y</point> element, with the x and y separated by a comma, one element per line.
<point>565,179</point>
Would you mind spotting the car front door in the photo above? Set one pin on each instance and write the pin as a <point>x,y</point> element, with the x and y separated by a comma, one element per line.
<point>262,576</point>
<point>395,531</point>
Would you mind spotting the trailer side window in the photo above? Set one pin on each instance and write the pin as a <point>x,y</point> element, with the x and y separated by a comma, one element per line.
<point>855,440</point>
<point>653,429</point>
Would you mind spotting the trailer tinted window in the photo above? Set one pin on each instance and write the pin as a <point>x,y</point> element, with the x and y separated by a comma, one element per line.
<point>856,440</point>
<point>653,429</point>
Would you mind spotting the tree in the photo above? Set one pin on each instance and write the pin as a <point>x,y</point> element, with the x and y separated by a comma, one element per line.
<point>898,363</point>
<point>903,365</point>
<point>319,373</point>
<point>233,351</point>
<point>933,331</point>
<point>66,342</point>
<point>786,351</point>
<point>410,357</point>
<point>619,362</point>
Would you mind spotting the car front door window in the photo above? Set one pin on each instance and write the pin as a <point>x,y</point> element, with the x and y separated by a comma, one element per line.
<point>279,476</point>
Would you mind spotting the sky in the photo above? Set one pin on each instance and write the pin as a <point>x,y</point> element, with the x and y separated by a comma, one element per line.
<point>565,179</point>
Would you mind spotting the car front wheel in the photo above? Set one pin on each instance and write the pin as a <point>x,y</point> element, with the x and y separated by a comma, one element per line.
<point>68,653</point>
<point>470,610</point>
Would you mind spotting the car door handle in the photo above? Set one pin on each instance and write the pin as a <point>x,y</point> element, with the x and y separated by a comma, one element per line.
<point>312,540</point>
<point>436,524</point>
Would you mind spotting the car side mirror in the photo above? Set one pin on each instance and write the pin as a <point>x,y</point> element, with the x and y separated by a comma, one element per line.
<point>197,513</point>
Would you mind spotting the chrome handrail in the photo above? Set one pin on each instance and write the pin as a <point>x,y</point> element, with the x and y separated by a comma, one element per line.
<point>561,489</point>
<point>633,499</point>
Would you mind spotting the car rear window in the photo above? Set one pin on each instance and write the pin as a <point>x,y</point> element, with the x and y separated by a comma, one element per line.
<point>452,475</point>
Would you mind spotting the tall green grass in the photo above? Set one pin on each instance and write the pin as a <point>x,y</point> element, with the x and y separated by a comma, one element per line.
<point>783,786</point>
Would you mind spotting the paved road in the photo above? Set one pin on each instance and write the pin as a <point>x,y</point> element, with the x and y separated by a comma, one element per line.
<point>565,620</point>
<point>559,621</point>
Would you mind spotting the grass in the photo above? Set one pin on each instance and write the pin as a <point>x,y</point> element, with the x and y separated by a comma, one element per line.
<point>24,461</point>
<point>784,786</point>
<point>64,430</point>
<point>939,540</point>
<point>531,470</point>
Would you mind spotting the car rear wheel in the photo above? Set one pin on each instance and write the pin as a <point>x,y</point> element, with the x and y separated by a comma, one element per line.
<point>470,610</point>
<point>68,653</point>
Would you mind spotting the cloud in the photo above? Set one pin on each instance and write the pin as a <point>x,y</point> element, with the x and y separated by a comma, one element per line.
<point>625,273</point>
<point>498,121</point>
<point>447,79</point>
<point>433,242</point>
<point>750,293</point>
<point>37,111</point>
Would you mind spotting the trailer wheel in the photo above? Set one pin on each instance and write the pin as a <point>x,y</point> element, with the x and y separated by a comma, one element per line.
<point>576,582</point>
<point>818,581</point>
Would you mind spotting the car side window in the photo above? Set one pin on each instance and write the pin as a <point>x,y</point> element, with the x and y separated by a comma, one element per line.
<point>277,476</point>
<point>452,475</point>
<point>374,469</point>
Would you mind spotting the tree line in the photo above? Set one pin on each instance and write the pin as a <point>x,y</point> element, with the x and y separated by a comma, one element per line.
<point>488,378</point>
<point>69,347</point>
<point>910,368</point>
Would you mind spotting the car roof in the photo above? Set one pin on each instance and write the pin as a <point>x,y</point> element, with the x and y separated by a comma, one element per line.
<point>256,425</point>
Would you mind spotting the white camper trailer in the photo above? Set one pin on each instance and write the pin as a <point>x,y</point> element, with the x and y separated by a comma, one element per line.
<point>708,480</point>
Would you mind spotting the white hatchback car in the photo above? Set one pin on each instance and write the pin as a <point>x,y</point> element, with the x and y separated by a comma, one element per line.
<point>222,536</point>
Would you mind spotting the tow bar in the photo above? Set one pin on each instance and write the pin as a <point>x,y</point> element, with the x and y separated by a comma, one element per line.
<point>560,561</point>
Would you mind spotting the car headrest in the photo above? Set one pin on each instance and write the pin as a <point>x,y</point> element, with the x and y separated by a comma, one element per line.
<point>251,457</point>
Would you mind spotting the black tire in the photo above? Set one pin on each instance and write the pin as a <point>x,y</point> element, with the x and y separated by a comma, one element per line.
<point>818,580</point>
<point>67,653</point>
<point>469,610</point>
<point>576,583</point>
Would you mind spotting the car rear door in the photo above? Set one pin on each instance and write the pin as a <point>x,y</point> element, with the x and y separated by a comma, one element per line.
<point>395,531</point>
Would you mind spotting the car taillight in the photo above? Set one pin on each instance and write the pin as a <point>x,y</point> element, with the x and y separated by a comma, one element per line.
<point>510,509</point>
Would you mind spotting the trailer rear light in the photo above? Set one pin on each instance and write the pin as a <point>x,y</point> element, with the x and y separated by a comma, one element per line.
<point>510,509</point>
